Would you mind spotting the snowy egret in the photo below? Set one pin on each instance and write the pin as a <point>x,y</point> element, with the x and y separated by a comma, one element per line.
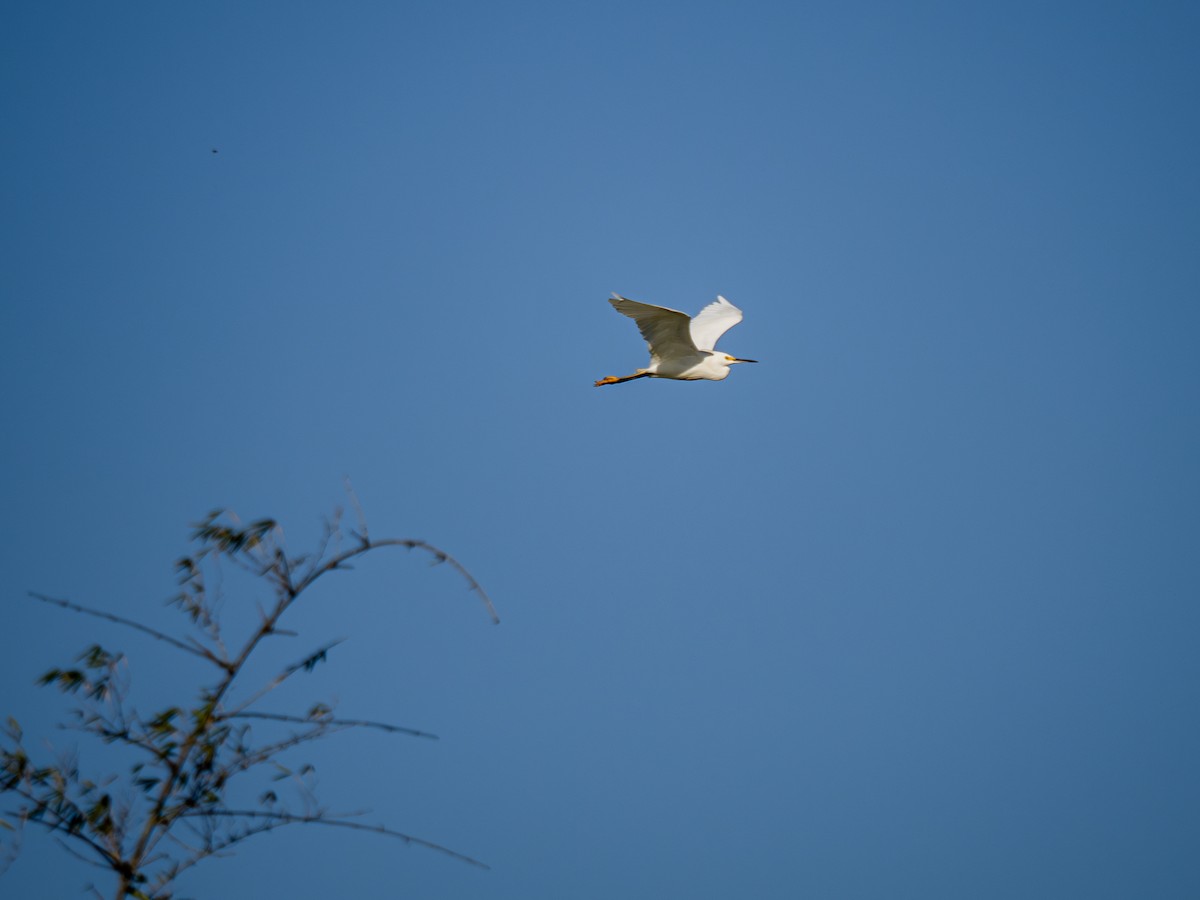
<point>681,347</point>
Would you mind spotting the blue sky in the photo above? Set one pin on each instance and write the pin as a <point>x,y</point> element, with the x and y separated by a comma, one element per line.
<point>907,610</point>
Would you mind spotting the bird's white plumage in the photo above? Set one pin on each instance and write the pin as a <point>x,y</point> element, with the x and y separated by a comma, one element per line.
<point>666,331</point>
<point>713,321</point>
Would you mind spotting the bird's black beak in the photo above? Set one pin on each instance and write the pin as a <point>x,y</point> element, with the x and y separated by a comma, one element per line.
<point>745,360</point>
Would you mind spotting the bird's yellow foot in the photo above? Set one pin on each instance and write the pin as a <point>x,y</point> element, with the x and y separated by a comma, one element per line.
<point>610,379</point>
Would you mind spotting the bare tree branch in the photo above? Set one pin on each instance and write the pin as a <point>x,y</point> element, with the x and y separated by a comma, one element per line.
<point>303,665</point>
<point>345,723</point>
<point>279,819</point>
<point>129,623</point>
<point>440,556</point>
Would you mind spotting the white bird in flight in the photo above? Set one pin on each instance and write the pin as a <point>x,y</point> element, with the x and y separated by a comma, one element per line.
<point>681,347</point>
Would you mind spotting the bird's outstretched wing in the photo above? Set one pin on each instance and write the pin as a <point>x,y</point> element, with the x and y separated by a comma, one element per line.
<point>713,321</point>
<point>665,330</point>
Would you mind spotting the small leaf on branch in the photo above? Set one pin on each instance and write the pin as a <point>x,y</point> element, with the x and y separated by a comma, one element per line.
<point>69,680</point>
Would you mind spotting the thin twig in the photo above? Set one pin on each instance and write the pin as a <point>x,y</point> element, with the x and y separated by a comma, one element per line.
<point>79,856</point>
<point>327,720</point>
<point>59,824</point>
<point>268,752</point>
<point>362,518</point>
<point>108,734</point>
<point>278,819</point>
<point>440,556</point>
<point>308,661</point>
<point>100,614</point>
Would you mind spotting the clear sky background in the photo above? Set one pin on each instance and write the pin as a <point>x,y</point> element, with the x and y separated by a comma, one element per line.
<point>910,609</point>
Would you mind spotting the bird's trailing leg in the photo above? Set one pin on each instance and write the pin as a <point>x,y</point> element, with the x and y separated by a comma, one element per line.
<point>612,379</point>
